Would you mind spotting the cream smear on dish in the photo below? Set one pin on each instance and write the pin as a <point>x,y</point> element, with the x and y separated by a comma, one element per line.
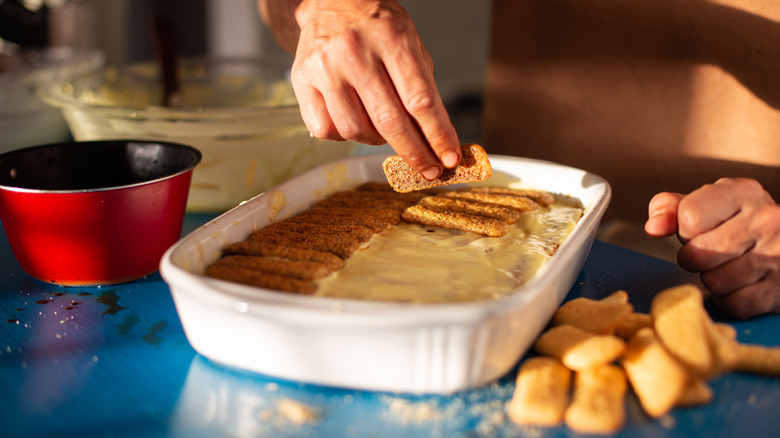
<point>425,264</point>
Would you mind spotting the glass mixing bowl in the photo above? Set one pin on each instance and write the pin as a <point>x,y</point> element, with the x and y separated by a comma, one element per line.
<point>240,113</point>
<point>25,120</point>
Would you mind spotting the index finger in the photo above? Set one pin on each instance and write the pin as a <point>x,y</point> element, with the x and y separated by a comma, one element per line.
<point>662,214</point>
<point>705,209</point>
<point>395,125</point>
<point>411,73</point>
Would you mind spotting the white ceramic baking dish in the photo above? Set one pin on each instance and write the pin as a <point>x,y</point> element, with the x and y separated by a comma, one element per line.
<point>419,348</point>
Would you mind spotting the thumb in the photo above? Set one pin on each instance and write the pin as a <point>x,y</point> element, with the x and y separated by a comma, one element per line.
<point>662,214</point>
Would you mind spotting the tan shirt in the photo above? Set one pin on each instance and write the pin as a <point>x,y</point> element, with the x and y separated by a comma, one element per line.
<point>652,95</point>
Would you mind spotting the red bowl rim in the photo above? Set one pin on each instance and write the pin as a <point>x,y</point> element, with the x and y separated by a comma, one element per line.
<point>196,158</point>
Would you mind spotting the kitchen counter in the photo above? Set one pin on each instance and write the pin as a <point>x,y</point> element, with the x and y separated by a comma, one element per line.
<point>113,361</point>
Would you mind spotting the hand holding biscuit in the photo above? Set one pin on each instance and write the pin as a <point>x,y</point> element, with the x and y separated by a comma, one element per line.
<point>362,73</point>
<point>731,235</point>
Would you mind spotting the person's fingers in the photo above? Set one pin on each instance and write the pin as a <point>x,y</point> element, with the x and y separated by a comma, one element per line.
<point>350,117</point>
<point>314,111</point>
<point>753,300</point>
<point>707,207</point>
<point>736,273</point>
<point>396,126</point>
<point>411,72</point>
<point>662,214</point>
<point>728,241</point>
<point>733,218</point>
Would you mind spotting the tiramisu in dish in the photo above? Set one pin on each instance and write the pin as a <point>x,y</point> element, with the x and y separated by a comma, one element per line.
<point>373,243</point>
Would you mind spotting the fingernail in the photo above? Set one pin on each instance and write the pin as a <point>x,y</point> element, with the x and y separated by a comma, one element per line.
<point>450,159</point>
<point>431,173</point>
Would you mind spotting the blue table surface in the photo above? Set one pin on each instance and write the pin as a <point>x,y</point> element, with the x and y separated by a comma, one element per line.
<point>114,361</point>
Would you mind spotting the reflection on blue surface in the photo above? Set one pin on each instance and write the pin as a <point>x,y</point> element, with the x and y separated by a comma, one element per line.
<point>73,361</point>
<point>217,401</point>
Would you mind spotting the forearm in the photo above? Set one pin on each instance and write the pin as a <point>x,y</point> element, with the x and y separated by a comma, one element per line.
<point>279,16</point>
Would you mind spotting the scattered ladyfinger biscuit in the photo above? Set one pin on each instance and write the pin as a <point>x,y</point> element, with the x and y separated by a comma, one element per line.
<point>696,393</point>
<point>595,316</point>
<point>474,166</point>
<point>456,221</point>
<point>680,320</point>
<point>620,296</point>
<point>758,359</point>
<point>657,378</point>
<point>541,393</point>
<point>579,349</point>
<point>598,401</point>
<point>660,380</point>
<point>722,339</point>
<point>631,323</point>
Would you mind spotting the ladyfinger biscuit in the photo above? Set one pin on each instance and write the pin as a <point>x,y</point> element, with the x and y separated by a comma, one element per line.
<point>541,393</point>
<point>376,226</point>
<point>411,197</point>
<point>540,197</point>
<point>631,323</point>
<point>291,268</point>
<point>595,316</point>
<point>758,359</point>
<point>579,349</point>
<point>374,186</point>
<point>341,245</point>
<point>387,214</point>
<point>474,166</point>
<point>723,346</point>
<point>455,221</point>
<point>361,233</point>
<point>261,279</point>
<point>254,248</point>
<point>620,296</point>
<point>680,321</point>
<point>504,214</point>
<point>598,401</point>
<point>362,202</point>
<point>657,378</point>
<point>520,203</point>
<point>696,393</point>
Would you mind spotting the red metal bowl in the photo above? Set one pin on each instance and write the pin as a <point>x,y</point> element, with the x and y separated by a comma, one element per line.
<point>94,213</point>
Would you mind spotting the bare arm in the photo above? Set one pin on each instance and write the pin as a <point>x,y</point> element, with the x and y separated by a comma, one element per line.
<point>362,73</point>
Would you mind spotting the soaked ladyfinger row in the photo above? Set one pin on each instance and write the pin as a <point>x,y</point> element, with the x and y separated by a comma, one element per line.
<point>292,254</point>
<point>482,210</point>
